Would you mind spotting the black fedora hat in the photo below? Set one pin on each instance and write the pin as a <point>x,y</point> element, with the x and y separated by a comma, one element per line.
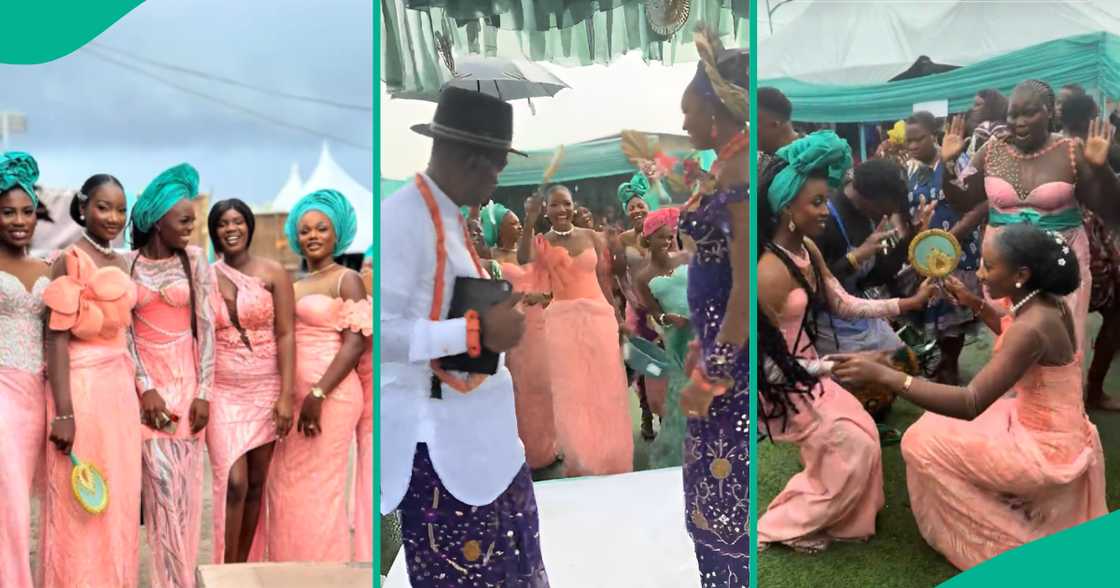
<point>473,118</point>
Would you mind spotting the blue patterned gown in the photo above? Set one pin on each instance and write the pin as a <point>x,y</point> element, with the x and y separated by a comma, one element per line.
<point>716,448</point>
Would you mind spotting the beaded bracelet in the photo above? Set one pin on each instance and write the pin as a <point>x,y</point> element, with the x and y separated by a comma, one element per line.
<point>68,417</point>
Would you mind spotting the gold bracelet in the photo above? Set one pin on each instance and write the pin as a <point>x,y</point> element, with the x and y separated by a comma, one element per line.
<point>317,392</point>
<point>852,260</point>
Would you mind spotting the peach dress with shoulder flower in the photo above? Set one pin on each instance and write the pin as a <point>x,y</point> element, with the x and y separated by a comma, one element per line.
<point>588,380</point>
<point>1028,467</point>
<point>246,388</point>
<point>306,494</point>
<point>362,496</point>
<point>80,550</point>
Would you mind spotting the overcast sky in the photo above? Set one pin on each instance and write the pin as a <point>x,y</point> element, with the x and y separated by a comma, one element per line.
<point>86,115</point>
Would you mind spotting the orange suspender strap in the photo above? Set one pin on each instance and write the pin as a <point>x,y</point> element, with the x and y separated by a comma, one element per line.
<point>473,380</point>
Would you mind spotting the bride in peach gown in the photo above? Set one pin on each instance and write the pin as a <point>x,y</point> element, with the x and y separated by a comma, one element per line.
<point>307,508</point>
<point>988,472</point>
<point>92,377</point>
<point>254,371</point>
<point>588,380</point>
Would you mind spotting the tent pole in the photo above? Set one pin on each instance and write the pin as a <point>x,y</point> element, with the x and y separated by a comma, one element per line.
<point>862,142</point>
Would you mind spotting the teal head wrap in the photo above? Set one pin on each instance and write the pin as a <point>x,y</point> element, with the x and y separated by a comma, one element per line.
<point>337,208</point>
<point>19,170</point>
<point>171,186</point>
<point>492,216</point>
<point>819,150</point>
<point>638,187</point>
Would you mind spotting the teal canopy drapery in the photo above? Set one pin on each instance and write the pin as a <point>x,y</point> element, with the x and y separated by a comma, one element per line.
<point>565,32</point>
<point>1090,60</point>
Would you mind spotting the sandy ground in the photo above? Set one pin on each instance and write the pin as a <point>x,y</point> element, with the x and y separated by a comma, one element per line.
<point>205,549</point>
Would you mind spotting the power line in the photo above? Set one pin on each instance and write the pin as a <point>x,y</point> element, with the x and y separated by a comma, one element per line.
<point>233,106</point>
<point>230,81</point>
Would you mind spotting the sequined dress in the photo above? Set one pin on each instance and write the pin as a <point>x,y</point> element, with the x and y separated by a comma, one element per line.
<point>717,448</point>
<point>246,386</point>
<point>178,362</point>
<point>23,411</point>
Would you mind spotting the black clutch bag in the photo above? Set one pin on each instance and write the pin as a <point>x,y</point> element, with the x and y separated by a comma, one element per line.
<point>475,294</point>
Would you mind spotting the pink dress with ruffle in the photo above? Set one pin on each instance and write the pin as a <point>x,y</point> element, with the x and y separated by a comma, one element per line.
<point>588,381</point>
<point>362,495</point>
<point>307,514</point>
<point>1028,467</point>
<point>246,388</point>
<point>80,550</point>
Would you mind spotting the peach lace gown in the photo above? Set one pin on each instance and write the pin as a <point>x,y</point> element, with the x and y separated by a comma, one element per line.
<point>362,493</point>
<point>839,493</point>
<point>80,550</point>
<point>528,364</point>
<point>23,407</point>
<point>1028,467</point>
<point>246,388</point>
<point>180,366</point>
<point>588,380</point>
<point>306,494</point>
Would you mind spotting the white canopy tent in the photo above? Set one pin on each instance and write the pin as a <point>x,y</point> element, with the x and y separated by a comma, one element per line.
<point>328,174</point>
<point>858,42</point>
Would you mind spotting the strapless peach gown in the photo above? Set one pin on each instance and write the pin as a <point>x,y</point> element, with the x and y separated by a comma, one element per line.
<point>246,388</point>
<point>529,365</point>
<point>1026,468</point>
<point>307,514</point>
<point>588,381</point>
<point>80,550</point>
<point>840,491</point>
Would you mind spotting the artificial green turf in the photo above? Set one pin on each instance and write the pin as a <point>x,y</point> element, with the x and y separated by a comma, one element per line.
<point>896,557</point>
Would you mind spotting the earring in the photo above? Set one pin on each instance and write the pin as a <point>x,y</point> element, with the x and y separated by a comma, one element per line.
<point>1018,285</point>
<point>792,227</point>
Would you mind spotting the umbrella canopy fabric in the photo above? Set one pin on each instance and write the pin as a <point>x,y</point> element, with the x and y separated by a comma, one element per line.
<point>504,78</point>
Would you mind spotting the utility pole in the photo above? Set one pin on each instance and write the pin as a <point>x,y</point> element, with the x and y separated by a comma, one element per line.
<point>11,123</point>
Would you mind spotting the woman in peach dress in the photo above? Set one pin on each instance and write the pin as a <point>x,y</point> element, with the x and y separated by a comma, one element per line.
<point>173,346</point>
<point>840,491</point>
<point>362,494</point>
<point>528,361</point>
<point>307,483</point>
<point>987,472</point>
<point>92,379</point>
<point>22,393</point>
<point>588,380</point>
<point>254,371</point>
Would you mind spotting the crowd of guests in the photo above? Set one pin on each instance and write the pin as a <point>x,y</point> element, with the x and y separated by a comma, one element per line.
<point>142,363</point>
<point>1027,187</point>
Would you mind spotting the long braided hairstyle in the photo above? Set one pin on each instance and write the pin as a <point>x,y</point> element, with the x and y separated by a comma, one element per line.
<point>781,375</point>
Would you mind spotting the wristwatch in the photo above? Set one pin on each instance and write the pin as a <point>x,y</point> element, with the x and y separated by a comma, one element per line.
<point>317,392</point>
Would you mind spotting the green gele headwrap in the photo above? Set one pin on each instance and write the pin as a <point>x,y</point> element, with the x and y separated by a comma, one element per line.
<point>19,169</point>
<point>638,187</point>
<point>171,186</point>
<point>819,150</point>
<point>492,216</point>
<point>337,208</point>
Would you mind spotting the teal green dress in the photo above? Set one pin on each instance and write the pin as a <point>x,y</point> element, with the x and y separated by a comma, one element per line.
<point>671,293</point>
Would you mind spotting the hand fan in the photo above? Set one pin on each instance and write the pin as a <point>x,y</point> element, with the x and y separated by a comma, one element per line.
<point>90,489</point>
<point>935,253</point>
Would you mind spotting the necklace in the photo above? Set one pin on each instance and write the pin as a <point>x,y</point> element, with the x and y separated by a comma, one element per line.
<point>319,271</point>
<point>107,251</point>
<point>1015,307</point>
<point>737,143</point>
<point>562,233</point>
<point>798,256</point>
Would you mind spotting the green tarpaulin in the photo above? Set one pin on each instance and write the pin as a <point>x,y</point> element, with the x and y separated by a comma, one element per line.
<point>1090,60</point>
<point>565,32</point>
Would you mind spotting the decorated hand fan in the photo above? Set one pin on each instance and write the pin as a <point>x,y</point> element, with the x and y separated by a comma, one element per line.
<point>935,253</point>
<point>89,486</point>
<point>645,357</point>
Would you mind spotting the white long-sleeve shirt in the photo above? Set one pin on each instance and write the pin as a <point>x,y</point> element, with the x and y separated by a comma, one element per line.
<point>472,438</point>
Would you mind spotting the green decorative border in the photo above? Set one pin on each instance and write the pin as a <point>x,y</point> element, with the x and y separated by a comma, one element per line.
<point>38,31</point>
<point>752,347</point>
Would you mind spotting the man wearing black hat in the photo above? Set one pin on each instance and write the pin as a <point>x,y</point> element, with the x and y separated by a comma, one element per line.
<point>451,459</point>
